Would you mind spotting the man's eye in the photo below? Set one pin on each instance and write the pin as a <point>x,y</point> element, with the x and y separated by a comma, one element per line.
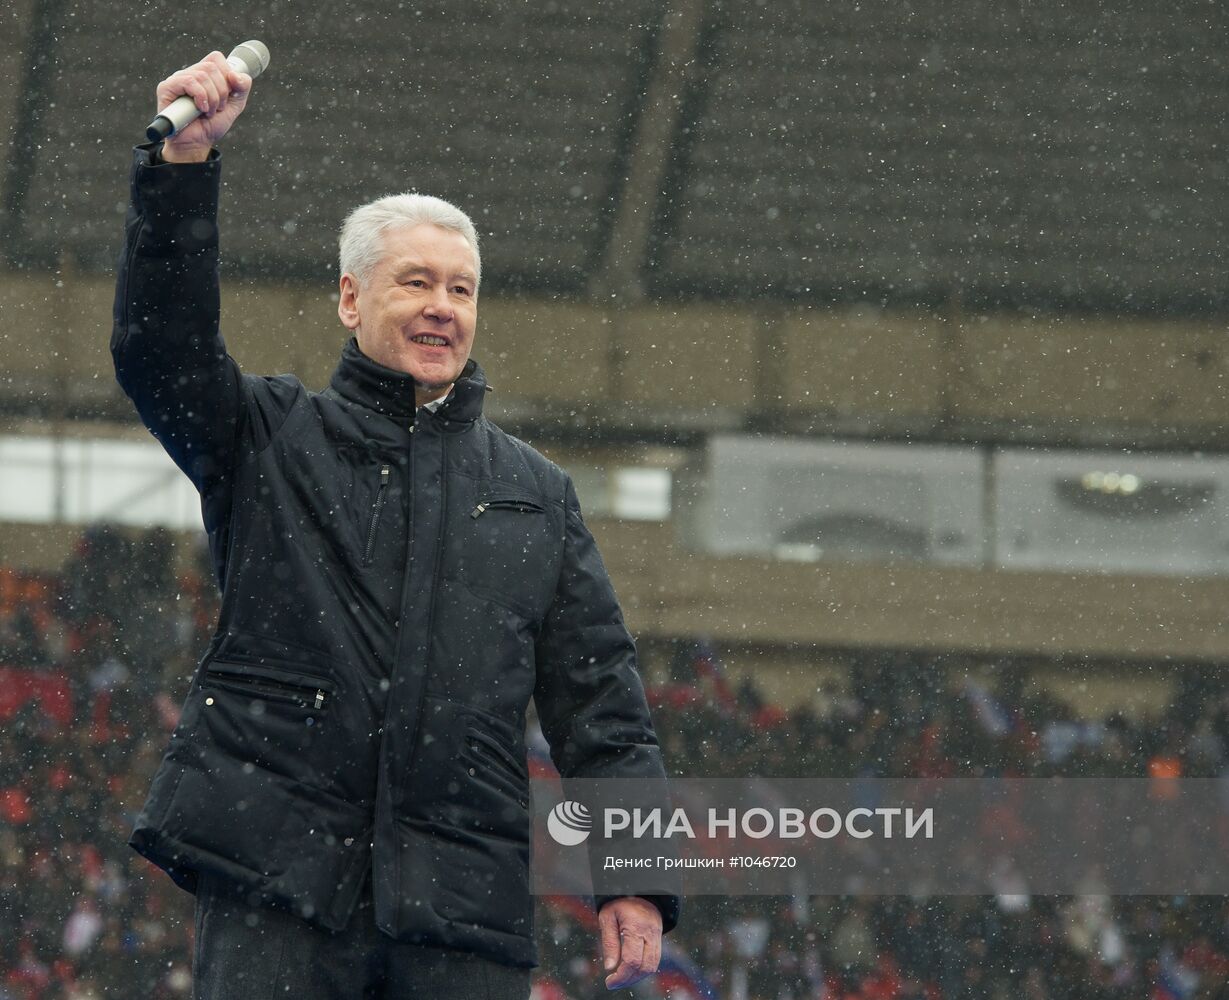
<point>461,290</point>
<point>416,282</point>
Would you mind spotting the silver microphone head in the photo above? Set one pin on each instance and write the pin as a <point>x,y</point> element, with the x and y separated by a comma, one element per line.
<point>253,55</point>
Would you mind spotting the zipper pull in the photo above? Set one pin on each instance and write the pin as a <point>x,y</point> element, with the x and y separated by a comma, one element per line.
<point>478,510</point>
<point>319,699</point>
<point>384,474</point>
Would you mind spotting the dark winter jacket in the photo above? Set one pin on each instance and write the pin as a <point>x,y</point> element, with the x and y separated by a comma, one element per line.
<point>396,585</point>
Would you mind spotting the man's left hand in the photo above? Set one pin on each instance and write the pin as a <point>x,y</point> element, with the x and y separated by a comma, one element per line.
<point>631,940</point>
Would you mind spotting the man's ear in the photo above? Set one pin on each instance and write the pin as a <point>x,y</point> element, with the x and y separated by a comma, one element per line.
<point>347,305</point>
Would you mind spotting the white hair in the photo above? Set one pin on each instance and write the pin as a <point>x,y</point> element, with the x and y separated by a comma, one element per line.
<point>361,245</point>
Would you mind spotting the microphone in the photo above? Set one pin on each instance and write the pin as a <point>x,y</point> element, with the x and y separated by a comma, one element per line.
<point>251,58</point>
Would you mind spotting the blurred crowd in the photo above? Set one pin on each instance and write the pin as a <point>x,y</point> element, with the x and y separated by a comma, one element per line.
<point>902,716</point>
<point>95,660</point>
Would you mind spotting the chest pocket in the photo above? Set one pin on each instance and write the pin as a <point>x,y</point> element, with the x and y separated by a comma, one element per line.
<point>507,548</point>
<point>373,505</point>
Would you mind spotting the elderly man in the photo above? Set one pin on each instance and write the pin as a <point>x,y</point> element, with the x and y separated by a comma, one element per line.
<point>346,790</point>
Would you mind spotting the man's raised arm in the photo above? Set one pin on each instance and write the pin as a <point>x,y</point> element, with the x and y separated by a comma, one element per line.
<point>169,355</point>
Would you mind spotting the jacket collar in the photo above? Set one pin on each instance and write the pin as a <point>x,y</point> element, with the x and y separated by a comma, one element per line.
<point>385,390</point>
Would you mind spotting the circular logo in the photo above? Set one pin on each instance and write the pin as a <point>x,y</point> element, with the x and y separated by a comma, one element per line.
<point>569,823</point>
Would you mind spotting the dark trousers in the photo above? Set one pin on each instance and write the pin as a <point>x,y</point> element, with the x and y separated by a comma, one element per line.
<point>245,952</point>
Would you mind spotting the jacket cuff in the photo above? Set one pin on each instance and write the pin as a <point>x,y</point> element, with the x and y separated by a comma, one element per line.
<point>177,201</point>
<point>667,906</point>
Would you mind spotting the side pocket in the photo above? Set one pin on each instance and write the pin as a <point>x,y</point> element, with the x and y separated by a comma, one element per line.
<point>270,683</point>
<point>489,746</point>
<point>498,766</point>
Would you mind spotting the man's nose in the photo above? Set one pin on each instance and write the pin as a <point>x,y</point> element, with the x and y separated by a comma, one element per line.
<point>439,307</point>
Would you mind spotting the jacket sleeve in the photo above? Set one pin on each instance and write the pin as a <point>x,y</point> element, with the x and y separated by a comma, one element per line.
<point>588,691</point>
<point>169,355</point>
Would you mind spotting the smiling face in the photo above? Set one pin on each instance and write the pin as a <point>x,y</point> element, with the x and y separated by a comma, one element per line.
<point>417,310</point>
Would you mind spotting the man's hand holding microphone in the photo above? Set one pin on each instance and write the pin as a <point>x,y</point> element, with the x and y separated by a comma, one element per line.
<point>218,92</point>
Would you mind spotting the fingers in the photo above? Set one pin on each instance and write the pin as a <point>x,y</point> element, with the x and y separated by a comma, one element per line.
<point>214,97</point>
<point>652,952</point>
<point>237,84</point>
<point>211,83</point>
<point>632,966</point>
<point>634,951</point>
<point>609,927</point>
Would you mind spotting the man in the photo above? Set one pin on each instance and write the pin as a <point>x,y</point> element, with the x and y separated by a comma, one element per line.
<point>346,789</point>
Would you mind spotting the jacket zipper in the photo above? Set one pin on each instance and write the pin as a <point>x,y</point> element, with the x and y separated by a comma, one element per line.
<point>435,574</point>
<point>385,471</point>
<point>282,690</point>
<point>509,503</point>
